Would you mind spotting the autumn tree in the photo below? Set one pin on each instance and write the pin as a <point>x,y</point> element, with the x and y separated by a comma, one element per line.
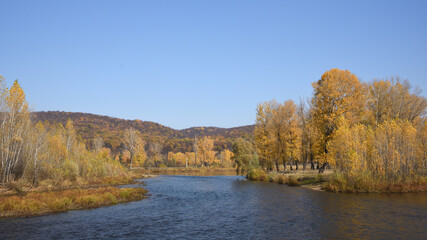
<point>177,159</point>
<point>276,127</point>
<point>338,93</point>
<point>98,143</point>
<point>15,122</point>
<point>70,134</point>
<point>262,134</point>
<point>190,159</point>
<point>225,157</point>
<point>394,99</point>
<point>38,144</point>
<point>304,113</point>
<point>244,155</point>
<point>140,155</point>
<point>195,150</point>
<point>291,133</point>
<point>278,134</point>
<point>134,144</point>
<point>155,151</point>
<point>205,152</point>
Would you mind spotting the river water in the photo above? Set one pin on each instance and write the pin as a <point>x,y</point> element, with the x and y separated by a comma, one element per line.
<point>229,207</point>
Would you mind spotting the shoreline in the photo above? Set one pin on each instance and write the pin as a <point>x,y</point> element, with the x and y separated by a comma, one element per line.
<point>16,201</point>
<point>327,182</point>
<point>44,200</point>
<point>48,198</point>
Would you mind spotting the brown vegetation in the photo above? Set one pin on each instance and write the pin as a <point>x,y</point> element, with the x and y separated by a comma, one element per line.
<point>309,178</point>
<point>41,203</point>
<point>363,183</point>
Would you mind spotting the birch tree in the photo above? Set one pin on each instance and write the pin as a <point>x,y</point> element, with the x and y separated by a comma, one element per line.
<point>131,142</point>
<point>15,123</point>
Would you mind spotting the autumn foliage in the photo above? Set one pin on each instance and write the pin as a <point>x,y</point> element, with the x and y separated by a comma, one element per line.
<point>373,134</point>
<point>44,151</point>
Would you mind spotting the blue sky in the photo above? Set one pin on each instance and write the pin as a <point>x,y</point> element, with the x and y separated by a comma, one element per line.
<point>201,63</point>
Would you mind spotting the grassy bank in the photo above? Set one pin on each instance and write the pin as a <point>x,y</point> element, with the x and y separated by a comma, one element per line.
<point>339,182</point>
<point>308,178</point>
<point>41,203</point>
<point>22,199</point>
<point>22,186</point>
<point>365,183</point>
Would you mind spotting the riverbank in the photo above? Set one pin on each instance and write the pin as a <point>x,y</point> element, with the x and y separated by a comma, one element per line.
<point>22,200</point>
<point>304,178</point>
<point>364,182</point>
<point>42,203</point>
<point>336,182</point>
<point>178,205</point>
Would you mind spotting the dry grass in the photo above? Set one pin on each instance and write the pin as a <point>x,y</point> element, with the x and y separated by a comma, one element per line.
<point>364,183</point>
<point>20,198</point>
<point>294,178</point>
<point>22,187</point>
<point>41,203</point>
<point>339,182</point>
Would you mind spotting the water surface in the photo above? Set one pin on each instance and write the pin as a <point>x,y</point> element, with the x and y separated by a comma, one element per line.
<point>229,207</point>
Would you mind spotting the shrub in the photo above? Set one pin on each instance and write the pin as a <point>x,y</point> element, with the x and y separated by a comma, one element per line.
<point>292,181</point>
<point>281,179</point>
<point>71,170</point>
<point>15,186</point>
<point>256,174</point>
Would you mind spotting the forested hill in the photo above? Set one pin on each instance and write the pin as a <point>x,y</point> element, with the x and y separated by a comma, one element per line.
<point>216,131</point>
<point>90,126</point>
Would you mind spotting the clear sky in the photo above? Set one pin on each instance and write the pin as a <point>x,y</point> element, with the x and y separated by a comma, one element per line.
<point>201,63</point>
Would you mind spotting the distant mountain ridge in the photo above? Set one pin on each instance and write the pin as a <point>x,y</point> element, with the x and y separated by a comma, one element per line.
<point>90,126</point>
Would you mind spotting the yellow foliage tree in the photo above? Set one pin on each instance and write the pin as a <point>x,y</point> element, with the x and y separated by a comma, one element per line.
<point>15,123</point>
<point>262,134</point>
<point>338,93</point>
<point>205,154</point>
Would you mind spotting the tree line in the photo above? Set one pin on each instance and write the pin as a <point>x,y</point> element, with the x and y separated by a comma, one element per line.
<point>377,128</point>
<point>44,151</point>
<point>37,152</point>
<point>111,130</point>
<point>137,153</point>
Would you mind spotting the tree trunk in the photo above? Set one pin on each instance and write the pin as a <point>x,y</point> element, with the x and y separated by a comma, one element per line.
<point>35,170</point>
<point>277,166</point>
<point>311,161</point>
<point>296,165</point>
<point>324,166</point>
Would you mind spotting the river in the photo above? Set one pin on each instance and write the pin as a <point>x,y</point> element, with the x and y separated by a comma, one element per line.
<point>229,207</point>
